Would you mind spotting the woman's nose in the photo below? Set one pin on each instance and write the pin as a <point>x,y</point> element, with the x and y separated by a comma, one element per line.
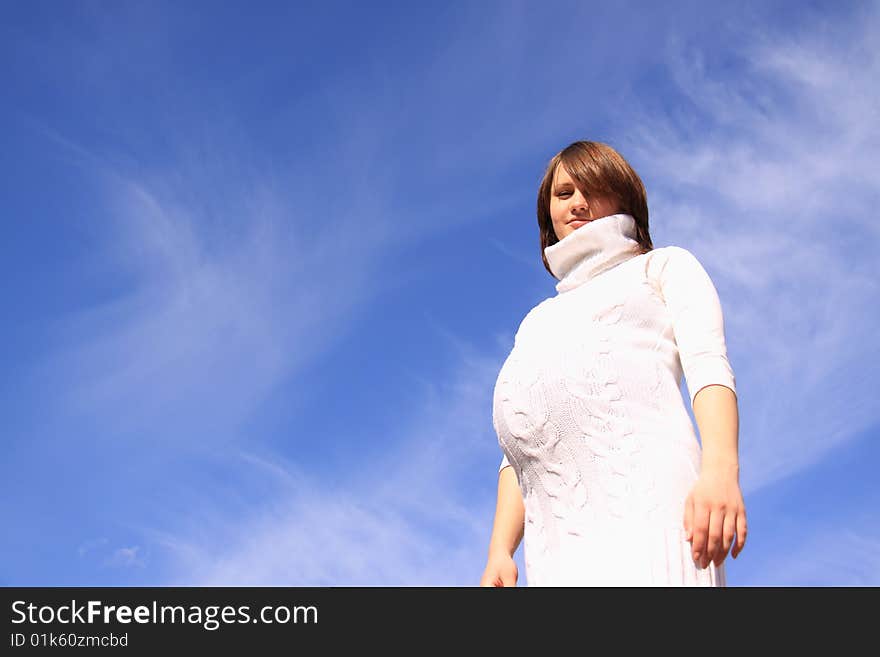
<point>578,203</point>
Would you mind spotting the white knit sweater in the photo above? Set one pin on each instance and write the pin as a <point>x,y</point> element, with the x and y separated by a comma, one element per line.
<point>588,410</point>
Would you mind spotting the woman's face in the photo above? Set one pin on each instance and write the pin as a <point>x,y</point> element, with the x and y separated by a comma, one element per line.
<point>570,209</point>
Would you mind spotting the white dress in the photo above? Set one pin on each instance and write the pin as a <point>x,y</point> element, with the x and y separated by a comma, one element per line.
<point>588,410</point>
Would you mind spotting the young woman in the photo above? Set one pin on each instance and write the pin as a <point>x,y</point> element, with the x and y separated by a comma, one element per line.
<point>602,473</point>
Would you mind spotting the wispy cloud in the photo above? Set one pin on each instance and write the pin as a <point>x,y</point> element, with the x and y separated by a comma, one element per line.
<point>126,557</point>
<point>834,552</point>
<point>516,256</point>
<point>771,178</point>
<point>220,282</point>
<point>91,545</point>
<point>407,517</point>
<point>210,307</point>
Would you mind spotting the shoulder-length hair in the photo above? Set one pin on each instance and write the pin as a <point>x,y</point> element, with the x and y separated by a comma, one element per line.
<point>596,169</point>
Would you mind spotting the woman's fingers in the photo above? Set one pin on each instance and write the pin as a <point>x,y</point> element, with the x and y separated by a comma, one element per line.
<point>741,531</point>
<point>727,535</point>
<point>700,531</point>
<point>713,540</point>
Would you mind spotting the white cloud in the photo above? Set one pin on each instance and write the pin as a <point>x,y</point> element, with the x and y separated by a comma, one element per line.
<point>126,557</point>
<point>211,308</point>
<point>225,283</point>
<point>408,517</point>
<point>91,545</point>
<point>835,554</point>
<point>772,181</point>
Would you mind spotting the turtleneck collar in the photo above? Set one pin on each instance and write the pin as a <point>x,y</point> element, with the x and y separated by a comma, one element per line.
<point>591,249</point>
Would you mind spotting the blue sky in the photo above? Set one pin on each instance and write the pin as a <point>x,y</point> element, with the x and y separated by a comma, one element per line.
<point>262,263</point>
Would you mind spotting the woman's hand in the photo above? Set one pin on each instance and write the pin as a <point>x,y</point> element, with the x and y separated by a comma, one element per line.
<point>713,511</point>
<point>500,570</point>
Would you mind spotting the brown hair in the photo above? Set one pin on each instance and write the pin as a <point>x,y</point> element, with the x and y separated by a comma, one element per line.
<point>597,169</point>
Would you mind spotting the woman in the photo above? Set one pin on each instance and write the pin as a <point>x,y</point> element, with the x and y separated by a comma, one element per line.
<point>601,472</point>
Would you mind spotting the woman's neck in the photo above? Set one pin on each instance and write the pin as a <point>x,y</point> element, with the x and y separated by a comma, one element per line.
<point>592,249</point>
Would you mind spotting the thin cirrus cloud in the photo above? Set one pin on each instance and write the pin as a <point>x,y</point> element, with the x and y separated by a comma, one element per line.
<point>781,179</point>
<point>197,340</point>
<point>408,517</point>
<point>201,304</point>
<point>126,557</point>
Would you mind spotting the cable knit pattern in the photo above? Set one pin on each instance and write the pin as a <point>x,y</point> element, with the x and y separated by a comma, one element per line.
<point>588,410</point>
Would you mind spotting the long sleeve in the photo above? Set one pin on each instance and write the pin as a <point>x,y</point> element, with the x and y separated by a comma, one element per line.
<point>698,322</point>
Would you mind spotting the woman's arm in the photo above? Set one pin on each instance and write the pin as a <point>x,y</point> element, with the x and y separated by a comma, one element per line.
<point>715,510</point>
<point>507,532</point>
<point>509,525</point>
<point>715,411</point>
